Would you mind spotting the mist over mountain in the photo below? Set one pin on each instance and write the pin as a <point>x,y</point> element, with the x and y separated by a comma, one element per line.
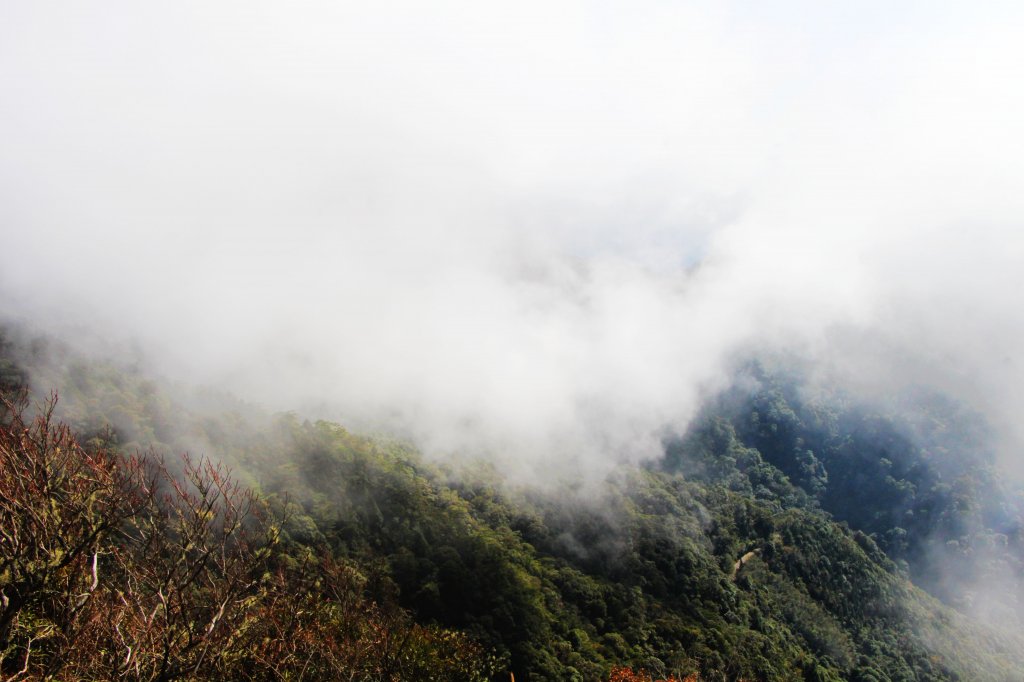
<point>792,533</point>
<point>539,229</point>
<point>746,276</point>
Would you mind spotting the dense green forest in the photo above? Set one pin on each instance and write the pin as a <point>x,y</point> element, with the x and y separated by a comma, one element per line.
<point>790,534</point>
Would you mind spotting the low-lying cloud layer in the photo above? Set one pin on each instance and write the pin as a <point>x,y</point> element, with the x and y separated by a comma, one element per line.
<point>538,228</point>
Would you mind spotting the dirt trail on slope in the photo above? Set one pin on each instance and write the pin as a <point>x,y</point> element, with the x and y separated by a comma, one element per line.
<point>741,561</point>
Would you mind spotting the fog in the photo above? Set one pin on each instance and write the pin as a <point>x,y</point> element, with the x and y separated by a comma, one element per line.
<point>535,230</point>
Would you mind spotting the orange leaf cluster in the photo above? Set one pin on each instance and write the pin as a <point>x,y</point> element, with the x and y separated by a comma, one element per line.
<point>624,674</point>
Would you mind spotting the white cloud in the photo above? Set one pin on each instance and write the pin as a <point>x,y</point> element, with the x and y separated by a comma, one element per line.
<point>485,218</point>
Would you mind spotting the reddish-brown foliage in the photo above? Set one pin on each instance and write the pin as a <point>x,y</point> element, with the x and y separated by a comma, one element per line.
<point>629,675</point>
<point>111,567</point>
<point>58,504</point>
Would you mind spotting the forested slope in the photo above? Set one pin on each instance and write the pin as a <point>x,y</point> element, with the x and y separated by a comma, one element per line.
<point>756,549</point>
<point>916,471</point>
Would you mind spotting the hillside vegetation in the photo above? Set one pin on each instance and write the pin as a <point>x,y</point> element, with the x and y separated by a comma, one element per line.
<point>783,538</point>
